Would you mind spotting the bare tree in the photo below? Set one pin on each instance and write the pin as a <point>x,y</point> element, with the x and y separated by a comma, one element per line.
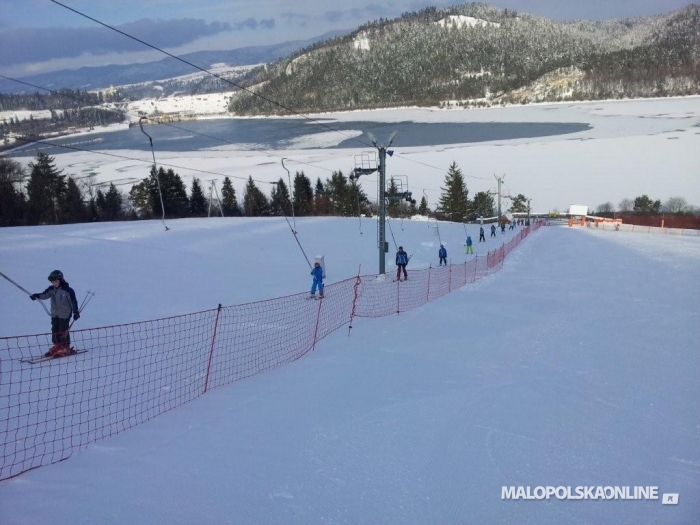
<point>606,207</point>
<point>626,205</point>
<point>675,205</point>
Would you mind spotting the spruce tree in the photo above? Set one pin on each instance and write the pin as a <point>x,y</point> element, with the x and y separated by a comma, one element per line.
<point>229,203</point>
<point>110,204</point>
<point>45,189</point>
<point>423,208</point>
<point>483,204</point>
<point>303,195</point>
<point>279,199</point>
<point>73,208</point>
<point>454,198</point>
<point>12,202</point>
<point>320,199</point>
<point>255,203</point>
<point>197,201</point>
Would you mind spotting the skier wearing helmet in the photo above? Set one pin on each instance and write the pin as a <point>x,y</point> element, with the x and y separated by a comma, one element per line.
<point>63,304</point>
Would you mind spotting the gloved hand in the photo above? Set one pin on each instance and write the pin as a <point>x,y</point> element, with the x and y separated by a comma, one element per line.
<point>34,296</point>
<point>76,316</point>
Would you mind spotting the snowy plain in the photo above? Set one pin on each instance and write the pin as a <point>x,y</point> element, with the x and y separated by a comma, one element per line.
<point>574,365</point>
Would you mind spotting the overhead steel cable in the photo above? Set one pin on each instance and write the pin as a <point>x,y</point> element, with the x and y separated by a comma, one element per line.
<point>199,68</point>
<point>123,112</point>
<point>124,157</point>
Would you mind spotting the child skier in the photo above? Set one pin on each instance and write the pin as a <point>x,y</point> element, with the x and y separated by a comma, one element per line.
<point>63,303</point>
<point>317,272</point>
<point>442,253</point>
<point>401,262</point>
<point>482,238</point>
<point>468,245</point>
<point>493,230</point>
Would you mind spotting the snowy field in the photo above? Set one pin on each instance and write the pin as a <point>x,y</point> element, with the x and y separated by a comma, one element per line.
<point>575,365</point>
<point>632,148</point>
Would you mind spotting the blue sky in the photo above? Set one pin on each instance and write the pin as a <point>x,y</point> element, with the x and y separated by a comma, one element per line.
<point>39,35</point>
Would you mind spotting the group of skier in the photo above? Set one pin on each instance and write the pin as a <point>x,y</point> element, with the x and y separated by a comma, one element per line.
<point>64,303</point>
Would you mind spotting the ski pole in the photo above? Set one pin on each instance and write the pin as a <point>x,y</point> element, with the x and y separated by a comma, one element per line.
<point>25,291</point>
<point>89,295</point>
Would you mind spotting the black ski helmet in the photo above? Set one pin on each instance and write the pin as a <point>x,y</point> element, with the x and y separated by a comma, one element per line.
<point>56,274</point>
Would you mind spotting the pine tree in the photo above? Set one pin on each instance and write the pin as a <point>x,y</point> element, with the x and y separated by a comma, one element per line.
<point>454,200</point>
<point>303,195</point>
<point>255,203</point>
<point>644,204</point>
<point>229,203</point>
<point>45,189</point>
<point>197,201</point>
<point>279,199</point>
<point>140,197</point>
<point>12,202</point>
<point>519,204</point>
<point>338,197</point>
<point>320,199</point>
<point>358,198</point>
<point>483,204</point>
<point>175,198</point>
<point>73,208</point>
<point>109,205</point>
<point>423,208</point>
<point>393,207</point>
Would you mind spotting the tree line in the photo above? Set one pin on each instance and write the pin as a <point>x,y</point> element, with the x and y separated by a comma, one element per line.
<point>645,205</point>
<point>42,194</point>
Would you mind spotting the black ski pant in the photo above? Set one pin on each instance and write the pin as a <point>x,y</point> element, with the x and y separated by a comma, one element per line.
<point>59,330</point>
<point>398,272</point>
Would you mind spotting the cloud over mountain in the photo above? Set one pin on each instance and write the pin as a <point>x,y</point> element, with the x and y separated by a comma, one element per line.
<point>24,45</point>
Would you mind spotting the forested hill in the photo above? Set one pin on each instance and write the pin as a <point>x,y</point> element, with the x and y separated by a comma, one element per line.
<point>475,54</point>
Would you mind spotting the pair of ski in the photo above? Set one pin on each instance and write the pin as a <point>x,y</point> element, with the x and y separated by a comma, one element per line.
<point>312,297</point>
<point>44,358</point>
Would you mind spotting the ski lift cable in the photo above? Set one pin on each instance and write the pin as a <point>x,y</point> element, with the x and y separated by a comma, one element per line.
<point>396,246</point>
<point>167,124</point>
<point>295,234</point>
<point>155,172</point>
<point>115,155</point>
<point>291,189</point>
<point>219,77</point>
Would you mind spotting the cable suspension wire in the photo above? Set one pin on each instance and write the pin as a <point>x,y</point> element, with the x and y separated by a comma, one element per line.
<point>169,125</point>
<point>98,152</point>
<point>155,172</point>
<point>291,191</point>
<point>396,246</point>
<point>199,68</point>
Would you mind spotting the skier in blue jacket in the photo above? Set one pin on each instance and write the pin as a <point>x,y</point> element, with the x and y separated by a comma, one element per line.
<point>442,253</point>
<point>317,272</point>
<point>63,304</point>
<point>401,262</point>
<point>468,245</point>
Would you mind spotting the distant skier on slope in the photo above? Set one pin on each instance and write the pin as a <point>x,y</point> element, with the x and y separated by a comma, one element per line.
<point>482,238</point>
<point>63,303</point>
<point>493,230</point>
<point>442,253</point>
<point>317,272</point>
<point>401,262</point>
<point>468,245</point>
